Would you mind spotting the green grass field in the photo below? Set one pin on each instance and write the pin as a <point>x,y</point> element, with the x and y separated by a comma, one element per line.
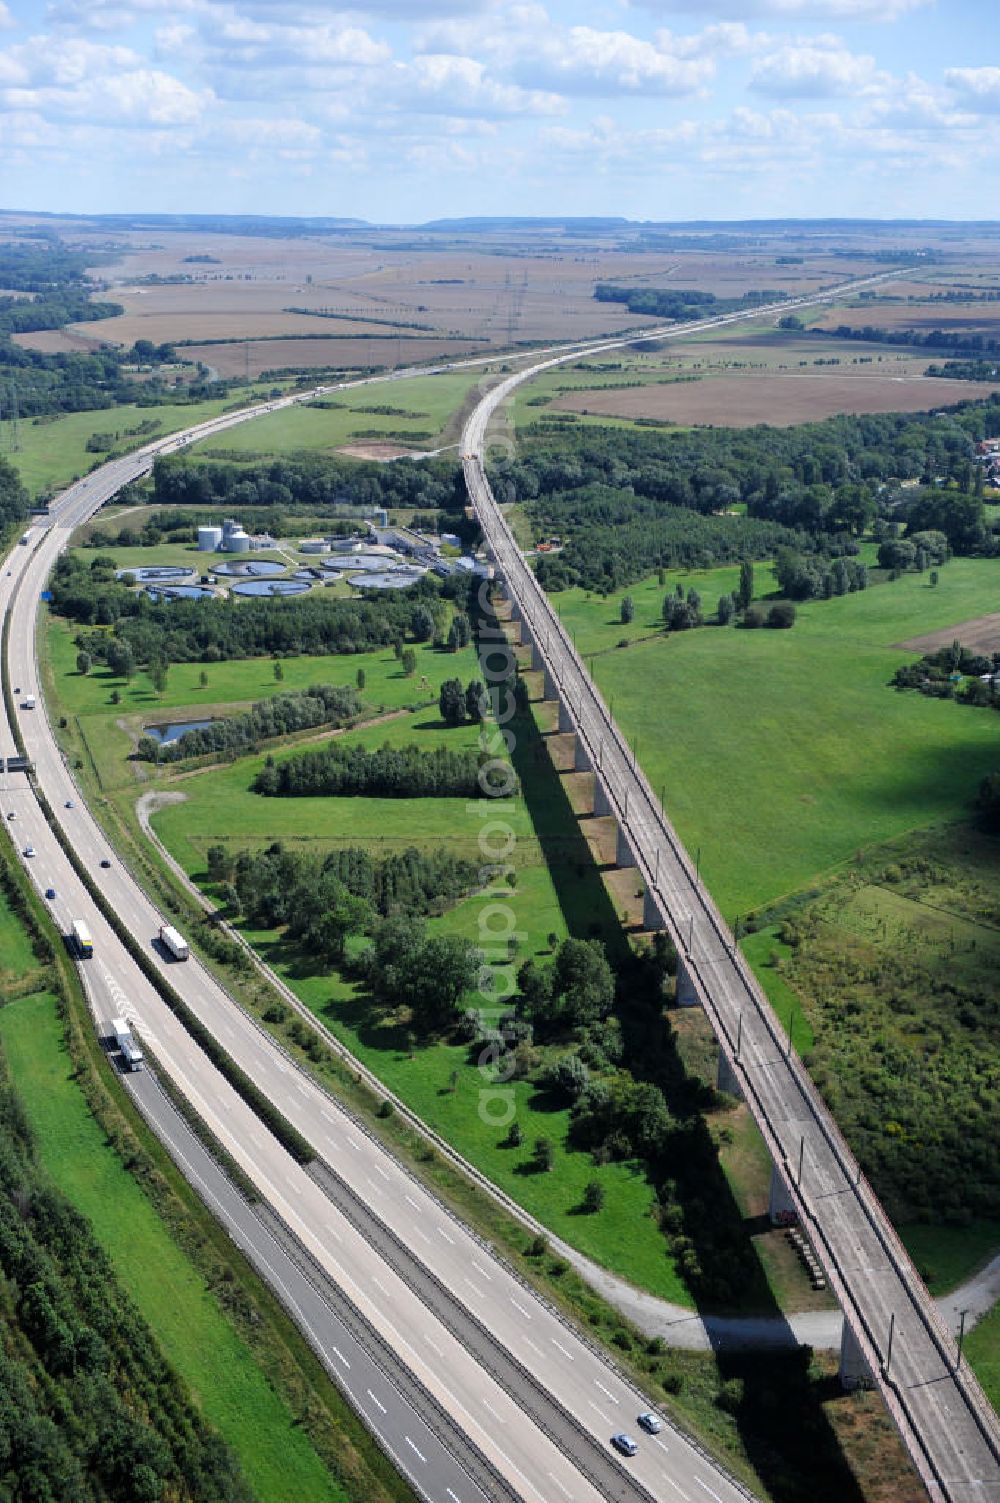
<point>231,686</point>
<point>784,752</point>
<point>226,1382</point>
<point>558,889</point>
<point>432,400</point>
<point>982,1349</point>
<point>54,453</point>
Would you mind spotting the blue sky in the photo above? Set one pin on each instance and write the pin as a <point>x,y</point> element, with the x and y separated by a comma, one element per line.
<point>402,110</point>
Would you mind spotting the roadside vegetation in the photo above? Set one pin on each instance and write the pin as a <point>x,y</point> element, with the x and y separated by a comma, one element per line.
<point>105,1302</point>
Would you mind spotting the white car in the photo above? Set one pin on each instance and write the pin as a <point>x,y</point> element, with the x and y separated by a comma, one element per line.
<point>29,850</point>
<point>651,1423</point>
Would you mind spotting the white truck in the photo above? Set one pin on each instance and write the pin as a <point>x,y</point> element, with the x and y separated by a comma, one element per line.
<point>82,942</point>
<point>28,703</point>
<point>174,942</point>
<point>128,1048</point>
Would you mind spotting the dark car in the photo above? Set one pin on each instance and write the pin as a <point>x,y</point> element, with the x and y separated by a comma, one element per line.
<point>624,1443</point>
<point>106,862</point>
<point>50,892</point>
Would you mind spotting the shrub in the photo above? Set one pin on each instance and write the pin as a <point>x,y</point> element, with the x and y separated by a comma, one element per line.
<point>781,615</point>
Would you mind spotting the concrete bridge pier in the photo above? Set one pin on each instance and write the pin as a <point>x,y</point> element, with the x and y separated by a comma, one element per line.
<point>686,994</point>
<point>781,1207</point>
<point>854,1370</point>
<point>565,720</point>
<point>727,1079</point>
<point>623,851</point>
<point>602,804</point>
<point>537,661</point>
<point>652,919</point>
<point>581,757</point>
<point>549,689</point>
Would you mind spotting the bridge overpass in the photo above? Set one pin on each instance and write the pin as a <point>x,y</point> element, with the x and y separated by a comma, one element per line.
<point>892,1329</point>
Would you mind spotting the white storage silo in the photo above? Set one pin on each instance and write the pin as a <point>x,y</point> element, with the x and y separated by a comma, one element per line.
<point>209,539</point>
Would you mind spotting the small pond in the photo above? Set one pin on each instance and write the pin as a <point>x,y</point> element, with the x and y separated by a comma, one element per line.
<point>164,734</point>
<point>271,587</point>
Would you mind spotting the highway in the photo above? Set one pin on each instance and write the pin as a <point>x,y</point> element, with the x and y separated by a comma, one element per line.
<point>946,1422</point>
<point>531,1398</point>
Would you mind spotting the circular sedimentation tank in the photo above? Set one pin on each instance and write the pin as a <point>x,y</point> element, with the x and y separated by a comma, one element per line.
<point>254,568</point>
<point>160,573</point>
<point>178,592</point>
<point>272,587</point>
<point>386,579</point>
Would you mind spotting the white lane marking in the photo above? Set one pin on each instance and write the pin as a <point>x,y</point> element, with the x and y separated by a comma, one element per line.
<point>372,1184</point>
<point>477,1292</point>
<point>379,1170</point>
<point>485,1275</point>
<point>495,1412</point>
<point>453,1495</point>
<point>707,1489</point>
<point>376,1401</point>
<point>676,1487</point>
<point>410,1200</point>
<point>433,1345</point>
<point>659,1442</point>
<point>442,1233</point>
<point>421,1233</point>
<point>569,1355</point>
<point>413,1448</point>
<point>564,1490</point>
<point>301,1086</point>
<point>604,1418</point>
<point>340,1356</point>
<point>528,1342</point>
<point>606,1391</point>
<point>378,1283</point>
<point>325,1114</point>
<point>354,1143</point>
<point>523,1311</point>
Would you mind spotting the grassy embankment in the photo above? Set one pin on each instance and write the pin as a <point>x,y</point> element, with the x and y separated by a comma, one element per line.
<point>204,1348</point>
<point>54,452</point>
<point>422,409</point>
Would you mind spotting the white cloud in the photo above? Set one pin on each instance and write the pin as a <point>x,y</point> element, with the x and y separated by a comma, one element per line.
<point>6,19</point>
<point>140,98</point>
<point>977,89</point>
<point>442,84</point>
<point>796,10</point>
<point>585,61</point>
<point>807,71</point>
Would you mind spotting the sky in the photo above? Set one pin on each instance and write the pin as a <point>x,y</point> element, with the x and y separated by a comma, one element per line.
<point>398,111</point>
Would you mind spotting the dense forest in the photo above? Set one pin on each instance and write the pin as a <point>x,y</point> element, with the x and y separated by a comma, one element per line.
<point>312,483</point>
<point>283,715</point>
<point>339,770</point>
<point>209,631</point>
<point>630,503</point>
<point>90,1409</point>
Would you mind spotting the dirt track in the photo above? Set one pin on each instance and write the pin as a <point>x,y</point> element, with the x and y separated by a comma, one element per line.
<point>980,635</point>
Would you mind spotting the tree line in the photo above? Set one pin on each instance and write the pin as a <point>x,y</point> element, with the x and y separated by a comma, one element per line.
<point>89,1408</point>
<point>282,715</point>
<point>340,770</point>
<point>681,304</point>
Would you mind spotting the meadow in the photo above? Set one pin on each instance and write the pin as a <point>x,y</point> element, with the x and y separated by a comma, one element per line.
<point>107,730</point>
<point>422,407</point>
<point>53,452</point>
<point>557,890</point>
<point>782,753</point>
